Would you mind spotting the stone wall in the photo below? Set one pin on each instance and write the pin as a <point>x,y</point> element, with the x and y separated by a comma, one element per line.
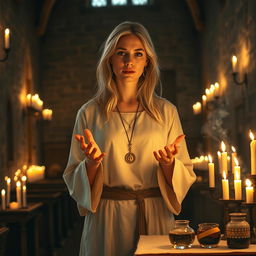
<point>18,73</point>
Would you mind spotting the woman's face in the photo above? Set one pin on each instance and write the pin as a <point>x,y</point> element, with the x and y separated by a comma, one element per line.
<point>129,59</point>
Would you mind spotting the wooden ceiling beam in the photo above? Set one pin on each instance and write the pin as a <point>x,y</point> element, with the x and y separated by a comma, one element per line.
<point>44,16</point>
<point>196,15</point>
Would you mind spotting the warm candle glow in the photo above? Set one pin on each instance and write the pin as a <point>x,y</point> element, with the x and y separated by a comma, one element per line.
<point>225,187</point>
<point>224,175</point>
<point>7,38</point>
<point>223,146</point>
<point>3,199</point>
<point>251,135</point>
<point>3,192</point>
<point>249,191</point>
<point>253,153</point>
<point>234,63</point>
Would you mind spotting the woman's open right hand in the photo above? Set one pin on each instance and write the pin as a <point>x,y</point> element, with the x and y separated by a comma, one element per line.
<point>93,154</point>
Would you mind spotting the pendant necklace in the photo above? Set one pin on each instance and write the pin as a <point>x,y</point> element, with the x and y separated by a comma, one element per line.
<point>129,157</point>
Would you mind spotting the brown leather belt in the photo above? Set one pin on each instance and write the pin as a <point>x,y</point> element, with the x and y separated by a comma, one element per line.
<point>114,193</point>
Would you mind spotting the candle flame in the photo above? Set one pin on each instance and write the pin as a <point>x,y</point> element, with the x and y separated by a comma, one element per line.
<point>18,184</point>
<point>3,192</point>
<point>7,31</point>
<point>223,146</point>
<point>224,175</point>
<point>24,188</point>
<point>234,59</point>
<point>218,153</point>
<point>8,181</point>
<point>236,161</point>
<point>204,98</point>
<point>216,85</point>
<point>251,135</point>
<point>248,183</point>
<point>207,92</point>
<point>233,149</point>
<point>23,178</point>
<point>6,178</point>
<point>210,158</point>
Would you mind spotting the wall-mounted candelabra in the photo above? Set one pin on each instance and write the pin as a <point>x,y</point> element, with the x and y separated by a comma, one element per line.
<point>6,44</point>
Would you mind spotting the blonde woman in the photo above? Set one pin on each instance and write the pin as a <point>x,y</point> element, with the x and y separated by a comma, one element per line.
<point>128,167</point>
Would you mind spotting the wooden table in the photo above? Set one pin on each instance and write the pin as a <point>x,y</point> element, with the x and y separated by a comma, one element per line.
<point>25,220</point>
<point>160,245</point>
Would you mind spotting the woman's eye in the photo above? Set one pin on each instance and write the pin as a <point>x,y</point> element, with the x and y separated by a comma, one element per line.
<point>120,53</point>
<point>138,54</point>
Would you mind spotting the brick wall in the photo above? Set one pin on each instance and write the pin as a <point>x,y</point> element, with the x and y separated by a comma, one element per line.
<point>19,16</point>
<point>70,51</point>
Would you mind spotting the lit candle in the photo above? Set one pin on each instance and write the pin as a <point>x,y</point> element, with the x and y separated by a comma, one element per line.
<point>225,187</point>
<point>249,191</point>
<point>3,199</point>
<point>234,63</point>
<point>238,186</point>
<point>224,158</point>
<point>204,99</point>
<point>211,173</point>
<point>208,94</point>
<point>8,182</point>
<point>253,154</point>
<point>233,156</point>
<point>23,180</point>
<point>212,89</point>
<point>18,193</point>
<point>24,194</point>
<point>29,100</point>
<point>14,205</point>
<point>7,38</point>
<point>197,108</point>
<point>47,114</point>
<point>237,171</point>
<point>219,161</point>
<point>217,89</point>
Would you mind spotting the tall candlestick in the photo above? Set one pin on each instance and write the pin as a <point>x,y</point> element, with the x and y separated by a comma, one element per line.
<point>23,180</point>
<point>238,189</point>
<point>24,194</point>
<point>253,154</point>
<point>233,156</point>
<point>219,161</point>
<point>18,193</point>
<point>211,173</point>
<point>8,183</point>
<point>249,192</point>
<point>237,171</point>
<point>224,159</point>
<point>204,99</point>
<point>225,187</point>
<point>3,199</point>
<point>217,89</point>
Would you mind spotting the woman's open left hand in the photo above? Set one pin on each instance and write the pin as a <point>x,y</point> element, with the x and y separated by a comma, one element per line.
<point>166,156</point>
<point>91,149</point>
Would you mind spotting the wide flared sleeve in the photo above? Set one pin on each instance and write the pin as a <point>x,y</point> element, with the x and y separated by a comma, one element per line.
<point>75,174</point>
<point>183,175</point>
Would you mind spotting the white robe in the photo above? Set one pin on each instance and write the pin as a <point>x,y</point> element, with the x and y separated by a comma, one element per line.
<point>109,226</point>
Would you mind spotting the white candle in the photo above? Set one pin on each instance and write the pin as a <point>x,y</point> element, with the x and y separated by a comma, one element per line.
<point>224,158</point>
<point>24,194</point>
<point>249,191</point>
<point>8,183</point>
<point>211,173</point>
<point>219,161</point>
<point>3,199</point>
<point>18,193</point>
<point>233,156</point>
<point>7,38</point>
<point>204,99</point>
<point>237,171</point>
<point>23,180</point>
<point>225,187</point>
<point>234,63</point>
<point>253,154</point>
<point>238,189</point>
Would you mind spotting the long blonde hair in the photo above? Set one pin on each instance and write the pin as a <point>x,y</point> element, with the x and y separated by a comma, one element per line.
<point>107,94</point>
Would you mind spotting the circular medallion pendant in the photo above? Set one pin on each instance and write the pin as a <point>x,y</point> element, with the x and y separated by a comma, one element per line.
<point>129,158</point>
